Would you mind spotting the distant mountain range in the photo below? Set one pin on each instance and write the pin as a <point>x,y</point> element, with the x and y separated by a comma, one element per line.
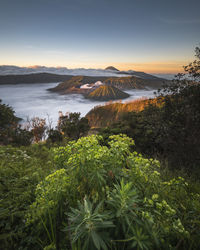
<point>15,70</point>
<point>109,71</point>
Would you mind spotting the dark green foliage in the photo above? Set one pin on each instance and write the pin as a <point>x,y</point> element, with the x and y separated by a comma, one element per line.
<point>108,197</point>
<point>20,171</point>
<point>21,137</point>
<point>10,130</point>
<point>193,69</point>
<point>8,123</point>
<point>8,119</point>
<point>54,136</point>
<point>73,126</point>
<point>89,196</point>
<point>178,125</point>
<point>89,225</point>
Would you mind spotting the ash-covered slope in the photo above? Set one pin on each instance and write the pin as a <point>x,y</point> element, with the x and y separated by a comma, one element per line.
<point>106,93</point>
<point>132,82</point>
<point>123,83</point>
<point>73,84</point>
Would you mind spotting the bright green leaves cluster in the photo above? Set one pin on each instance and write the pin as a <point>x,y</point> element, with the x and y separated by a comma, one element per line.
<point>47,210</point>
<point>124,199</point>
<point>109,197</point>
<point>49,193</point>
<point>120,144</point>
<point>93,167</point>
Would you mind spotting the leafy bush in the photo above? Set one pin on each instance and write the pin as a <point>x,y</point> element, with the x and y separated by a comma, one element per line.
<point>8,123</point>
<point>54,136</point>
<point>10,129</point>
<point>73,126</point>
<point>20,171</point>
<point>47,208</point>
<point>109,197</point>
<point>90,196</point>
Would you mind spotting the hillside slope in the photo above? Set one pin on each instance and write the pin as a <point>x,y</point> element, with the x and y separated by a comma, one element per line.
<point>106,93</point>
<point>75,82</point>
<point>123,83</point>
<point>105,115</point>
<point>132,82</point>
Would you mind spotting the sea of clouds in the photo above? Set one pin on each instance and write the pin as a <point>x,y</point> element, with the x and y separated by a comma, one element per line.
<point>33,100</point>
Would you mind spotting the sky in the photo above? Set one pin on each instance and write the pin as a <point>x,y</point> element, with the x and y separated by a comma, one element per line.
<point>143,35</point>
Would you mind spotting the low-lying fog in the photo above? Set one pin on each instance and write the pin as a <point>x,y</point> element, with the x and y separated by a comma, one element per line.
<point>30,100</point>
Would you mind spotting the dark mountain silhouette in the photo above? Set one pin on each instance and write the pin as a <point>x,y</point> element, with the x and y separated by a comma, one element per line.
<point>33,78</point>
<point>111,68</point>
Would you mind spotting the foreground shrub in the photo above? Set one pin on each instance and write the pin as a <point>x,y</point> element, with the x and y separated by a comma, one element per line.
<point>20,171</point>
<point>104,197</point>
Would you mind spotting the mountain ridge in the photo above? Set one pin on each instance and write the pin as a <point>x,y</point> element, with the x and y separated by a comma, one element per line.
<point>33,78</point>
<point>109,71</point>
<point>123,83</point>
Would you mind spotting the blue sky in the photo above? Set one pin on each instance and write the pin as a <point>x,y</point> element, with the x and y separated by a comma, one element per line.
<point>153,36</point>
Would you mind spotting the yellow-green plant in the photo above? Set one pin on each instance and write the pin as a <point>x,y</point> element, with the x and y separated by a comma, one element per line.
<point>111,197</point>
<point>46,211</point>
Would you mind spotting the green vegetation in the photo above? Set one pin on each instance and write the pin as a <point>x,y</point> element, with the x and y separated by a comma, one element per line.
<point>10,129</point>
<point>20,171</point>
<point>73,126</point>
<point>88,196</point>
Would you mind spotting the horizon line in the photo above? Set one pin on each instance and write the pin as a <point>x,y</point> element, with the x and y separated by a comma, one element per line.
<point>149,71</point>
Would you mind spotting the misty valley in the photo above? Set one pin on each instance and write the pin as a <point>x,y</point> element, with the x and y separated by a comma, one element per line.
<point>33,100</point>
